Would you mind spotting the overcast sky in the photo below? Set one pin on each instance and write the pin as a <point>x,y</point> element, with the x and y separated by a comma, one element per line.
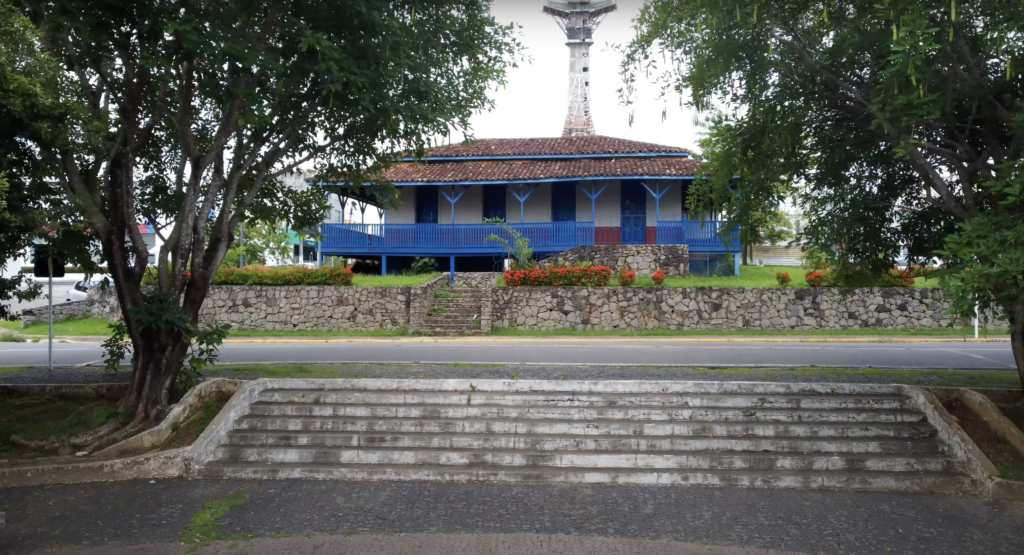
<point>535,101</point>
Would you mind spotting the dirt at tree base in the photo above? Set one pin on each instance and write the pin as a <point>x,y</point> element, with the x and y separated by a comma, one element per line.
<point>993,444</point>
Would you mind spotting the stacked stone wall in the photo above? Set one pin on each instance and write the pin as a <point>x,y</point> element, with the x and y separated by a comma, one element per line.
<point>674,260</point>
<point>705,308</point>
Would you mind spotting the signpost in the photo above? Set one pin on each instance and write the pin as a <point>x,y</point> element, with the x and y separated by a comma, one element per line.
<point>44,265</point>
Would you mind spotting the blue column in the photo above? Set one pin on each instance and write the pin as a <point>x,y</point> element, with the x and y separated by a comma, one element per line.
<point>736,262</point>
<point>522,198</point>
<point>383,265</point>
<point>451,271</point>
<point>592,195</point>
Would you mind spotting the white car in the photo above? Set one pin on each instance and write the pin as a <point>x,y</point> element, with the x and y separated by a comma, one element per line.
<point>80,291</point>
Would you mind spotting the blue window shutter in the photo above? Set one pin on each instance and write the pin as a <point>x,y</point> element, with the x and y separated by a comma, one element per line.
<point>495,201</point>
<point>563,202</point>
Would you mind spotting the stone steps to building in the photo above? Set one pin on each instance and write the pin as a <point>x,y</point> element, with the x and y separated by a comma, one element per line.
<point>747,434</point>
<point>566,442</point>
<point>873,480</point>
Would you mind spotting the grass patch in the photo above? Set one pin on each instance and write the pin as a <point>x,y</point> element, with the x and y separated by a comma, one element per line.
<point>319,333</point>
<point>1000,379</point>
<point>860,332</point>
<point>186,432</point>
<point>392,280</point>
<point>11,338</point>
<point>438,310</point>
<point>84,326</point>
<point>42,417</point>
<point>443,294</point>
<point>204,526</point>
<point>309,371</point>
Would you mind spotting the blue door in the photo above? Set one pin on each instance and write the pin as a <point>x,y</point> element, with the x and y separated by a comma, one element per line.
<point>634,213</point>
<point>495,197</point>
<point>563,202</point>
<point>426,204</point>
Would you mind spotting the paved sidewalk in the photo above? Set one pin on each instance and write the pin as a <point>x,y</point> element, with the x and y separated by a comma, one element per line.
<point>152,516</point>
<point>435,544</point>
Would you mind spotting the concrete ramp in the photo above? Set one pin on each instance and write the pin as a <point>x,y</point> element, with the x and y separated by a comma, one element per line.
<point>629,432</point>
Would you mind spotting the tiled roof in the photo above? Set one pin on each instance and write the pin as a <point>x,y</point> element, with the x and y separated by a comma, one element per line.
<point>565,146</point>
<point>536,170</point>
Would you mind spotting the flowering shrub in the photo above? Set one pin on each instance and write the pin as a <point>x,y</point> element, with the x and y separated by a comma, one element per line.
<point>597,276</point>
<point>783,279</point>
<point>658,277</point>
<point>817,278</point>
<point>897,278</point>
<point>626,277</point>
<point>283,275</point>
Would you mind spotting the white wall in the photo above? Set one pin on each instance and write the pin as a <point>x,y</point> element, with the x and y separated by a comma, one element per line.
<point>671,203</point>
<point>406,211</point>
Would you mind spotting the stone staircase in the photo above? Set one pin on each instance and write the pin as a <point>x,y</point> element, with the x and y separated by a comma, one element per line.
<point>708,433</point>
<point>454,311</point>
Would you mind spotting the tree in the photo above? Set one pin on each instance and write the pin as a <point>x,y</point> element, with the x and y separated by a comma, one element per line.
<point>904,118</point>
<point>190,114</point>
<point>31,207</point>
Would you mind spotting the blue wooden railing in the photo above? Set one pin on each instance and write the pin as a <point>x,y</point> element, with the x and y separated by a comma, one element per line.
<point>696,234</point>
<point>439,239</point>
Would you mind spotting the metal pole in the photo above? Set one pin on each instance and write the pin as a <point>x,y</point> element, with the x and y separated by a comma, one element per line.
<point>49,265</point>
<point>241,243</point>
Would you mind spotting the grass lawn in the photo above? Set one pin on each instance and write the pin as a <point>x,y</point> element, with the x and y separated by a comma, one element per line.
<point>42,417</point>
<point>399,280</point>
<point>319,333</point>
<point>862,332</point>
<point>85,326</point>
<point>1003,379</point>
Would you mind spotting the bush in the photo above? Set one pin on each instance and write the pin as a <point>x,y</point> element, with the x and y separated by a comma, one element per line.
<point>783,279</point>
<point>817,278</point>
<point>626,277</point>
<point>594,276</point>
<point>658,277</point>
<point>283,275</point>
<point>897,278</point>
<point>422,266</point>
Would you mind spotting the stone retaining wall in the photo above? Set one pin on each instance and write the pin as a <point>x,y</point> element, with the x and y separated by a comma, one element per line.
<point>615,308</point>
<point>674,260</point>
<point>62,311</point>
<point>476,279</point>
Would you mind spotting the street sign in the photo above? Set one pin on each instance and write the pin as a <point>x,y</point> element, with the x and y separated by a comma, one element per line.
<point>40,264</point>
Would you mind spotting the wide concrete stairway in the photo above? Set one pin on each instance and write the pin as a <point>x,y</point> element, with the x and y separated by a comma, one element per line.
<point>455,312</point>
<point>744,434</point>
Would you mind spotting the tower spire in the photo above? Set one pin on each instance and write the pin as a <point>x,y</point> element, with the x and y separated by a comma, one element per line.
<point>578,20</point>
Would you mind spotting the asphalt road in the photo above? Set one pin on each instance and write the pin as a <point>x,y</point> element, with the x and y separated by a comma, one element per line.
<point>575,351</point>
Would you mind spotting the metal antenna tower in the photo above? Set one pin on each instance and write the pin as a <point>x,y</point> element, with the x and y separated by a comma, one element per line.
<point>579,19</point>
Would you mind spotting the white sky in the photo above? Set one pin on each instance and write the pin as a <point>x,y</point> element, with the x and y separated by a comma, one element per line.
<point>535,100</point>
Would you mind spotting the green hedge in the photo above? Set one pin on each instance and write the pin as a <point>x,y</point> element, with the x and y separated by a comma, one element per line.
<point>67,269</point>
<point>284,275</point>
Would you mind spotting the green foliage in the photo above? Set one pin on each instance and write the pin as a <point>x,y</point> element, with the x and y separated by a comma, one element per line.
<point>903,120</point>
<point>437,310</point>
<point>517,246</point>
<point>115,347</point>
<point>204,349</point>
<point>423,266</point>
<point>284,275</point>
<point>204,526</point>
<point>11,338</point>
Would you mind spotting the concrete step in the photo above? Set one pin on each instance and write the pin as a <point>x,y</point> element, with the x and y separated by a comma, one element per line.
<point>470,425</point>
<point>903,481</point>
<point>537,442</point>
<point>537,399</point>
<point>700,460</point>
<point>588,414</point>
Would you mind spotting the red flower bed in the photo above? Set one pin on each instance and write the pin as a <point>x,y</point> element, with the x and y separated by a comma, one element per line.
<point>817,278</point>
<point>783,278</point>
<point>626,277</point>
<point>597,276</point>
<point>284,275</point>
<point>658,277</point>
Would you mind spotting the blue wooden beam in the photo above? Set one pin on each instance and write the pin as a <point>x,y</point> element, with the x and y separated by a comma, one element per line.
<point>453,198</point>
<point>451,272</point>
<point>593,200</point>
<point>383,265</point>
<point>657,193</point>
<point>522,199</point>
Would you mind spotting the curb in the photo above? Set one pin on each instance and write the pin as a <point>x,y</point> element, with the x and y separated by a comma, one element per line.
<point>587,339</point>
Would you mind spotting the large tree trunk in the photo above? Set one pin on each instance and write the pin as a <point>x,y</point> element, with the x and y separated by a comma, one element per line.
<point>1017,337</point>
